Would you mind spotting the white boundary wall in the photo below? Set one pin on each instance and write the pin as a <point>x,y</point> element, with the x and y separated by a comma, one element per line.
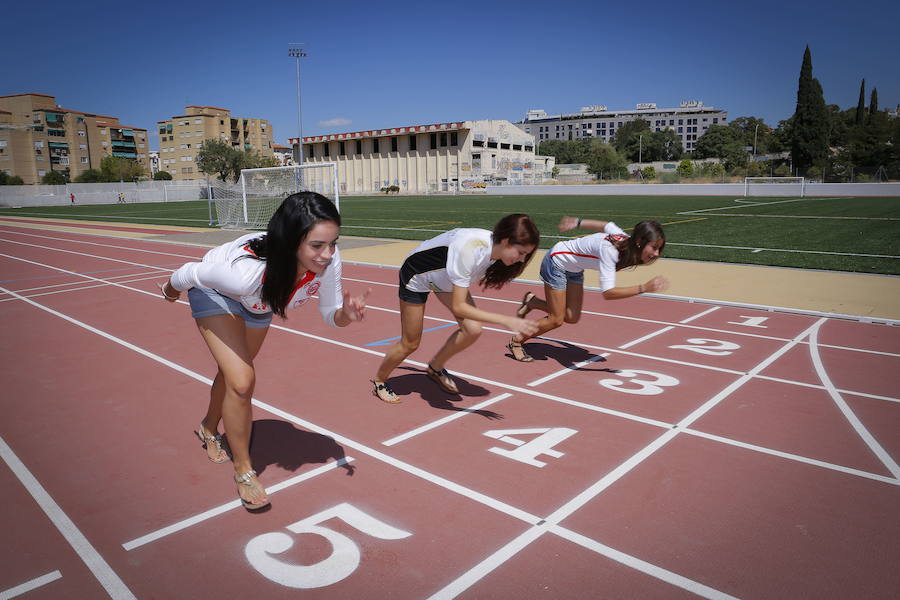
<point>100,193</point>
<point>688,189</point>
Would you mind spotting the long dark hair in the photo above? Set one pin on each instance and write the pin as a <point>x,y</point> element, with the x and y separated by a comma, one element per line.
<point>630,248</point>
<point>287,228</point>
<point>518,229</point>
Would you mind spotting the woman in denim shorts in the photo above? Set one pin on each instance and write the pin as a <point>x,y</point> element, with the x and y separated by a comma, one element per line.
<point>233,293</point>
<point>562,272</point>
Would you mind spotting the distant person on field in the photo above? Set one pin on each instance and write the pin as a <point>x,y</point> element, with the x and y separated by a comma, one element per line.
<point>233,293</point>
<point>562,272</point>
<point>121,198</point>
<point>448,265</point>
<point>72,197</point>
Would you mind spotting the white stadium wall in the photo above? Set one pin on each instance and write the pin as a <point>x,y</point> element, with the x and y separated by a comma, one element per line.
<point>690,189</point>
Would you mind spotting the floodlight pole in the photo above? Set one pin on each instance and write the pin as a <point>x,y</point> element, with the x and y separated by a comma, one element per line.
<point>295,51</point>
<point>755,129</point>
<point>640,147</point>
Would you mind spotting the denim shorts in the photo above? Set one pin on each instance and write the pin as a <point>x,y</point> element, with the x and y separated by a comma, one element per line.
<point>207,303</point>
<point>557,277</point>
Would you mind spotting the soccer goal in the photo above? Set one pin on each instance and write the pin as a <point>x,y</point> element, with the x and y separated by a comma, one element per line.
<point>774,186</point>
<point>251,203</point>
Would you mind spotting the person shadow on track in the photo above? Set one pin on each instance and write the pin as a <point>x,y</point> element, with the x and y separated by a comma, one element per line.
<point>565,353</point>
<point>418,382</point>
<point>279,443</point>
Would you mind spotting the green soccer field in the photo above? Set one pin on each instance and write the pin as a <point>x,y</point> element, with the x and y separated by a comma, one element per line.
<point>843,234</point>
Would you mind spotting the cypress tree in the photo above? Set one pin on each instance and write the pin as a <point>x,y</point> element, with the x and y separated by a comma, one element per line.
<point>873,102</point>
<point>809,143</point>
<point>861,106</point>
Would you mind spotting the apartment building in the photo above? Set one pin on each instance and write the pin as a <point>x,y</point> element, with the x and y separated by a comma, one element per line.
<point>182,137</point>
<point>442,157</point>
<point>689,121</point>
<point>38,136</point>
<point>283,154</point>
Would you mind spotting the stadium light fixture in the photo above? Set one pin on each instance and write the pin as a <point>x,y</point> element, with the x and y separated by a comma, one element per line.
<point>297,51</point>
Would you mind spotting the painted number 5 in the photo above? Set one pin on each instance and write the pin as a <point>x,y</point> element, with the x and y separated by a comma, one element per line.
<point>344,558</point>
<point>645,387</point>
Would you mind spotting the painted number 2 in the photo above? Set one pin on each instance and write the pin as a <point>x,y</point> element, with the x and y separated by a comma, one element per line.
<point>709,347</point>
<point>344,558</point>
<point>650,385</point>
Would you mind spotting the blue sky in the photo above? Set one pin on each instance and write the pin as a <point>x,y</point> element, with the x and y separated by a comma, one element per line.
<point>387,64</point>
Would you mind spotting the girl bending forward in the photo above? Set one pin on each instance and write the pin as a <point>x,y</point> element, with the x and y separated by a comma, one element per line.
<point>233,293</point>
<point>448,265</point>
<point>562,272</point>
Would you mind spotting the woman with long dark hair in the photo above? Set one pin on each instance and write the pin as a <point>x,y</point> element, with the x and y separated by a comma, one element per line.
<point>448,265</point>
<point>562,272</point>
<point>233,293</point>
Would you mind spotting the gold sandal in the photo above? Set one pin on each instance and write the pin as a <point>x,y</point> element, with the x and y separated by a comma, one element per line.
<point>383,392</point>
<point>442,378</point>
<point>216,440</point>
<point>247,480</point>
<point>518,351</point>
<point>523,309</point>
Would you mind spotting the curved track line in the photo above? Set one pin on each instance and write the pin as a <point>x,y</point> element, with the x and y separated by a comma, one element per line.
<point>867,437</point>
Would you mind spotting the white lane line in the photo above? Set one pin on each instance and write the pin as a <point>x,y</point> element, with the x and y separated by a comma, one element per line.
<point>144,250</point>
<point>118,260</point>
<point>108,578</point>
<point>440,422</point>
<point>861,430</point>
<point>218,510</point>
<point>363,449</point>
<point>637,564</point>
<point>80,288</point>
<point>822,387</point>
<point>645,338</point>
<point>698,315</point>
<point>568,369</point>
<point>498,558</point>
<point>794,457</point>
<point>30,585</point>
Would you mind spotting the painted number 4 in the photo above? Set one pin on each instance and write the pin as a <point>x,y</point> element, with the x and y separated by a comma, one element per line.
<point>344,558</point>
<point>527,452</point>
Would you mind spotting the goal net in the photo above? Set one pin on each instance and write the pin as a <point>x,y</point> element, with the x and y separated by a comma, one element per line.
<point>774,186</point>
<point>251,202</point>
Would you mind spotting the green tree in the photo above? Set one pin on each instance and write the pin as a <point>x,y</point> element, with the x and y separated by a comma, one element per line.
<point>89,176</point>
<point>630,139</point>
<point>809,143</point>
<point>685,168</point>
<point>218,158</point>
<point>873,102</point>
<point>53,178</point>
<point>722,142</point>
<point>14,180</point>
<point>117,168</point>
<point>162,176</point>
<point>861,105</point>
<point>603,160</point>
<point>648,173</point>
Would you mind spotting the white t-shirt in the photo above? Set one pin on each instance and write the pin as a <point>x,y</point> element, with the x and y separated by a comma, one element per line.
<point>231,270</point>
<point>457,257</point>
<point>595,251</point>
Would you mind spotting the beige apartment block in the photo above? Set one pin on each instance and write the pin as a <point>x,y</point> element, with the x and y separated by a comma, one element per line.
<point>182,137</point>
<point>38,136</point>
<point>443,157</point>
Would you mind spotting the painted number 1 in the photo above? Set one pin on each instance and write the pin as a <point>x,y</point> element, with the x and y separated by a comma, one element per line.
<point>344,558</point>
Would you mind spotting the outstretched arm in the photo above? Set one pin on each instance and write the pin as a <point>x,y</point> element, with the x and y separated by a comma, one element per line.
<point>570,223</point>
<point>354,309</point>
<point>462,309</point>
<point>657,284</point>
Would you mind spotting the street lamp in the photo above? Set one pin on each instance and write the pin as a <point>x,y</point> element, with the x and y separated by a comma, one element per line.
<point>755,129</point>
<point>296,51</point>
<point>640,147</point>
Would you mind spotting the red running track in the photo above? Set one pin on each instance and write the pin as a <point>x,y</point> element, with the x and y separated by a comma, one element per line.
<point>658,449</point>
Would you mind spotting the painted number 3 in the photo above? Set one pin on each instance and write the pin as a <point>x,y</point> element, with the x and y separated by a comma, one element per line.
<point>650,385</point>
<point>343,560</point>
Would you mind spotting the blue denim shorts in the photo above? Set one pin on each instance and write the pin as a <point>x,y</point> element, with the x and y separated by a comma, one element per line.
<point>207,303</point>
<point>557,277</point>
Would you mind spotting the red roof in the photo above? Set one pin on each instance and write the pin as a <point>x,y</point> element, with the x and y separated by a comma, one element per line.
<point>28,94</point>
<point>436,127</point>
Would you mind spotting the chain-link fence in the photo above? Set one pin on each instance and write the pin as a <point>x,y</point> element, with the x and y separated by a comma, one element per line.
<point>101,193</point>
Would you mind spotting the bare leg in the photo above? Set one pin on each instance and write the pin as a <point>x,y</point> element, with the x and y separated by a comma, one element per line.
<point>227,338</point>
<point>411,318</point>
<point>459,340</point>
<point>562,306</point>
